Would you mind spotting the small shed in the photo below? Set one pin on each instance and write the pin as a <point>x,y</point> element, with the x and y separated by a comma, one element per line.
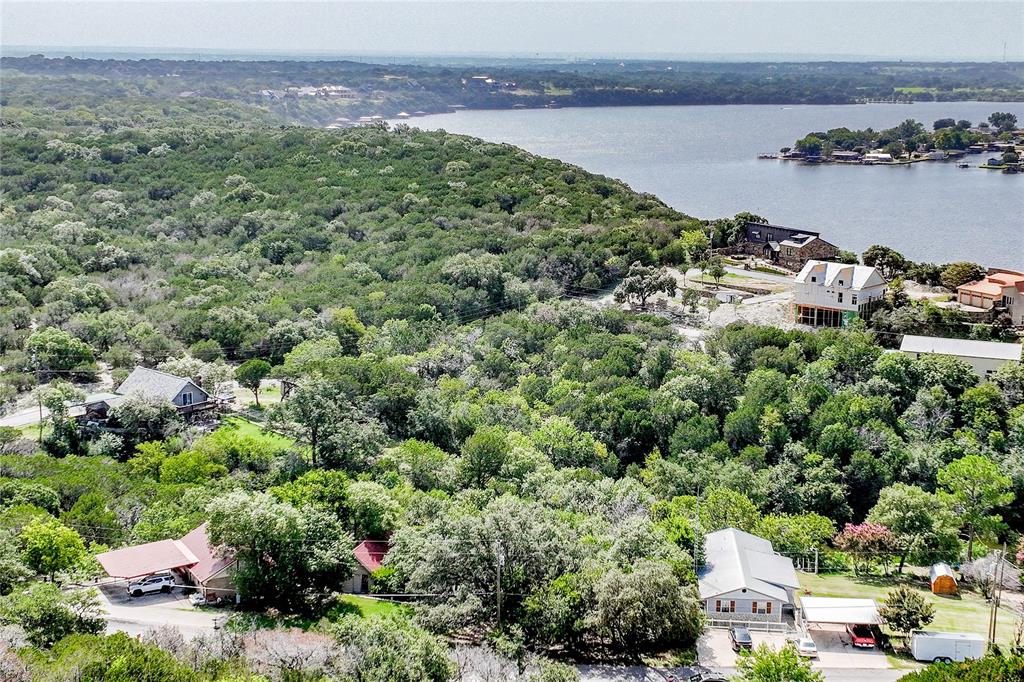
<point>942,580</point>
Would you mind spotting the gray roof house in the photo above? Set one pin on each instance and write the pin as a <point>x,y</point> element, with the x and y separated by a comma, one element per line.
<point>144,382</point>
<point>744,579</point>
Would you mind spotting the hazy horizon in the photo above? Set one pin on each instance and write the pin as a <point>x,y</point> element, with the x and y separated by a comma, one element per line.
<point>832,30</point>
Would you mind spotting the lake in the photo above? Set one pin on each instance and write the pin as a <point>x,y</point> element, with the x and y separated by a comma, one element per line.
<point>702,160</point>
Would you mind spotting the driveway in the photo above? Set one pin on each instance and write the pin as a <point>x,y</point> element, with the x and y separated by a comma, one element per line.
<point>835,651</point>
<point>137,615</point>
<point>714,649</point>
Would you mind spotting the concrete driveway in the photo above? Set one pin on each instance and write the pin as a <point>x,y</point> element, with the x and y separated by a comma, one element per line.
<point>137,615</point>
<point>835,651</point>
<point>714,649</point>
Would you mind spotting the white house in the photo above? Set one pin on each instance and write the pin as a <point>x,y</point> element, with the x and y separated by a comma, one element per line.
<point>833,294</point>
<point>984,357</point>
<point>743,579</point>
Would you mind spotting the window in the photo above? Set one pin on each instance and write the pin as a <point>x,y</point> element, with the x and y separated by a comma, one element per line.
<point>771,237</point>
<point>768,608</point>
<point>732,606</point>
<point>729,607</point>
<point>186,398</point>
<point>853,299</point>
<point>840,297</point>
<point>753,607</point>
<point>718,605</point>
<point>814,279</point>
<point>840,282</point>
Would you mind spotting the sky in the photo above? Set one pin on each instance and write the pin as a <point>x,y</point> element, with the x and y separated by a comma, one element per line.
<point>972,30</point>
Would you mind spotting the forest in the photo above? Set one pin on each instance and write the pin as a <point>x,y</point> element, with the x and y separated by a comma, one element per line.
<point>388,89</point>
<point>542,470</point>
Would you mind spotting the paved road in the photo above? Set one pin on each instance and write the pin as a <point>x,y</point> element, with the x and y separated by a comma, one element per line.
<point>23,417</point>
<point>695,273</point>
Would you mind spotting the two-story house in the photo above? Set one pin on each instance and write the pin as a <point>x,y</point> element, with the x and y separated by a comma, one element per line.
<point>787,246</point>
<point>999,290</point>
<point>834,294</point>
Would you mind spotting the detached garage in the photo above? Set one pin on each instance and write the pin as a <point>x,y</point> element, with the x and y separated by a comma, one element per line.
<point>942,579</point>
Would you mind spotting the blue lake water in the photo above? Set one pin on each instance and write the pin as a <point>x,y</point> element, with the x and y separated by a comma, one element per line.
<point>702,160</point>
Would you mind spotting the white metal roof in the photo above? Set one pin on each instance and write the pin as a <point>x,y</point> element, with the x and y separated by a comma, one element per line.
<point>966,348</point>
<point>735,560</point>
<point>829,274</point>
<point>972,636</point>
<point>840,611</point>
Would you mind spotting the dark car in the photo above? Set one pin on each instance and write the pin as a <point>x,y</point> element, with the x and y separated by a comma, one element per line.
<point>740,638</point>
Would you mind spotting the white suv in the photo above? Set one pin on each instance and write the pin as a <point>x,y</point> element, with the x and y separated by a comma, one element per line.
<point>162,582</point>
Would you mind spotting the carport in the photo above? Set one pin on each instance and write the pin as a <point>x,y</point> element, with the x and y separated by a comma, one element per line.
<point>839,611</point>
<point>142,560</point>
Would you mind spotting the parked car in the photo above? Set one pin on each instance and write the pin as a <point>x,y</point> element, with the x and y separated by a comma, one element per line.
<point>861,636</point>
<point>161,582</point>
<point>740,638</point>
<point>806,647</point>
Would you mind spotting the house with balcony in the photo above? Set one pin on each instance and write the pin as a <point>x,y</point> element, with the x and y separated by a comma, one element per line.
<point>835,294</point>
<point>999,291</point>
<point>187,396</point>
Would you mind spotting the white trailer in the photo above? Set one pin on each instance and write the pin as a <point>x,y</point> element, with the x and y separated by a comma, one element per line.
<point>946,646</point>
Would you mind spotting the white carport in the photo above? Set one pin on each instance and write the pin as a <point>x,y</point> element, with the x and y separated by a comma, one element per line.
<point>839,611</point>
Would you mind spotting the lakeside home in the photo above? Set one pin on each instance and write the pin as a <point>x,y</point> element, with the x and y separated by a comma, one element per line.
<point>835,294</point>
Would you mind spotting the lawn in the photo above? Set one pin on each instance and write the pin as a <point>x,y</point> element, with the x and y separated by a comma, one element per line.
<point>967,612</point>
<point>349,605</point>
<point>365,607</point>
<point>244,427</point>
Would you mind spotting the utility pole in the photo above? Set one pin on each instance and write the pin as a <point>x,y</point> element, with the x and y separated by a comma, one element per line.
<point>499,560</point>
<point>997,574</point>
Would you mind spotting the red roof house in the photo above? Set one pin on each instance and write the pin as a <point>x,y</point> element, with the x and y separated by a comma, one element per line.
<point>369,557</point>
<point>192,557</point>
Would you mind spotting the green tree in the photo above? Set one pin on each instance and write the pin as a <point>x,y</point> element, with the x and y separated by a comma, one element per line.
<point>955,274</point>
<point>647,608</point>
<point>889,262</point>
<point>50,547</point>
<point>54,351</point>
<point>48,615</point>
<point>1003,121</point>
<point>642,282</point>
<point>765,664</point>
<point>483,455</point>
<point>922,523</point>
<point>392,648</point>
<point>974,487</point>
<point>251,373</point>
<point>905,609</point>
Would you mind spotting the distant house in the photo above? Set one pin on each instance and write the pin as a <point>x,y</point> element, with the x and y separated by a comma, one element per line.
<point>835,294</point>
<point>369,557</point>
<point>878,157</point>
<point>984,357</point>
<point>1000,290</point>
<point>787,246</point>
<point>192,560</point>
<point>743,579</point>
<point>842,155</point>
<point>185,394</point>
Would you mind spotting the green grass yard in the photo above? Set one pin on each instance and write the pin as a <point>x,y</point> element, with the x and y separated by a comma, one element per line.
<point>967,612</point>
<point>365,607</point>
<point>245,427</point>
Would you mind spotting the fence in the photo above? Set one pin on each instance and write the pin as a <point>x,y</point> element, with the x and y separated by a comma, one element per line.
<point>752,625</point>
